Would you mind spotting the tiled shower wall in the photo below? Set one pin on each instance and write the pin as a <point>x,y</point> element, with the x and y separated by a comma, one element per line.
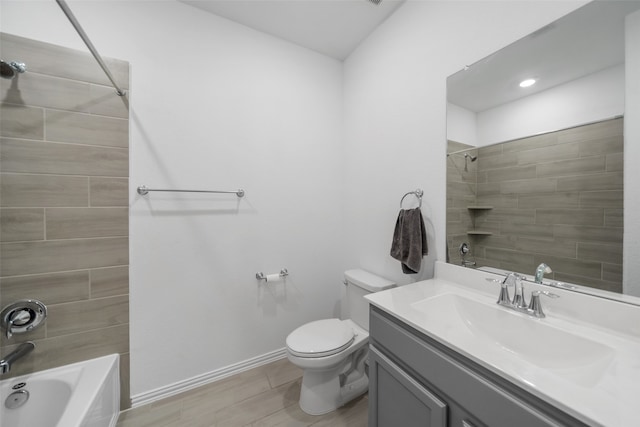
<point>64,168</point>
<point>461,193</point>
<point>556,198</point>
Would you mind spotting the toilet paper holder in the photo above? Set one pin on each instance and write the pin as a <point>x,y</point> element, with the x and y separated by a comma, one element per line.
<point>261,276</point>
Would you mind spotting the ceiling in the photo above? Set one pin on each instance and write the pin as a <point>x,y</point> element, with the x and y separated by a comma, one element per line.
<point>331,27</point>
<point>586,41</point>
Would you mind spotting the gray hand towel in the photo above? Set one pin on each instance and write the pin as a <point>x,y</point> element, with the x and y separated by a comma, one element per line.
<point>409,240</point>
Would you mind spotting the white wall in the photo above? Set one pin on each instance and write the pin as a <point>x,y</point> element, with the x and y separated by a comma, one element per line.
<point>595,97</point>
<point>215,105</point>
<point>395,114</point>
<point>631,253</point>
<point>461,125</point>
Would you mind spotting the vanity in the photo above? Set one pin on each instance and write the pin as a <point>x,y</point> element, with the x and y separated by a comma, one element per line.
<point>443,353</point>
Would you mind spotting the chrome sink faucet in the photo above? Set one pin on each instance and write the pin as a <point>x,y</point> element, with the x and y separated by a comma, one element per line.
<point>518,302</point>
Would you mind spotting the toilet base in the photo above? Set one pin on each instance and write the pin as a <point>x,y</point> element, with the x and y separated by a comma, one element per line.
<point>325,397</point>
<point>321,391</point>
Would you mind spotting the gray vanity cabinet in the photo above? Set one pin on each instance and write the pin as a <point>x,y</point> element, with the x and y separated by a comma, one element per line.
<point>416,381</point>
<point>400,399</point>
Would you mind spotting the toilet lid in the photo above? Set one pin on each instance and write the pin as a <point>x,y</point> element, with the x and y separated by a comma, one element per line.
<point>320,338</point>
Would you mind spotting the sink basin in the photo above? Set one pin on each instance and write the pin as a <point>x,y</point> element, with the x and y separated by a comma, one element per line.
<point>508,334</point>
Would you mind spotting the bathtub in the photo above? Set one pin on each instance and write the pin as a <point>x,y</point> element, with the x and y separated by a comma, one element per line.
<point>84,394</point>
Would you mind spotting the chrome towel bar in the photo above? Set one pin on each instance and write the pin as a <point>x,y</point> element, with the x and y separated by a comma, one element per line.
<point>143,190</point>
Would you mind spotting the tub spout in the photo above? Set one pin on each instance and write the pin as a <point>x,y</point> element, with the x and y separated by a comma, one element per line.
<point>22,350</point>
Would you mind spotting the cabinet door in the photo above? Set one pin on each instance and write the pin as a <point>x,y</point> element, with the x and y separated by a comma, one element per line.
<point>396,399</point>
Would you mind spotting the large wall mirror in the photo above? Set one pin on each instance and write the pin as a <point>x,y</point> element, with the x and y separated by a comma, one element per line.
<point>535,155</point>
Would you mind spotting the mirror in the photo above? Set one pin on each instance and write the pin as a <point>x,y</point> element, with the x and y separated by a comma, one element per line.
<point>535,174</point>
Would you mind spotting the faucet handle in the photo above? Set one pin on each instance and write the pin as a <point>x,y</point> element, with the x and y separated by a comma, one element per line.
<point>546,293</point>
<point>535,307</point>
<point>503,298</point>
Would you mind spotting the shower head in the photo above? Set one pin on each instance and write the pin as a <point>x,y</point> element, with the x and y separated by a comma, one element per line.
<point>8,70</point>
<point>473,158</point>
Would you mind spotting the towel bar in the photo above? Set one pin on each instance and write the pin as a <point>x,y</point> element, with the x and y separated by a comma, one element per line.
<point>143,190</point>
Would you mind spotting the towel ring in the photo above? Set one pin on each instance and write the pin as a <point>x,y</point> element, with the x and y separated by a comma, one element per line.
<point>418,193</point>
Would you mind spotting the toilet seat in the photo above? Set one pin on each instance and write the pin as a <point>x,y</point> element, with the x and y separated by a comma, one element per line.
<point>320,338</point>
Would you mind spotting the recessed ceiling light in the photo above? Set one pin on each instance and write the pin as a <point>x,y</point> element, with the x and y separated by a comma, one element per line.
<point>527,83</point>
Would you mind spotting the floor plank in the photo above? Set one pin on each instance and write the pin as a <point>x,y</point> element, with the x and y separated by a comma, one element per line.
<point>266,396</point>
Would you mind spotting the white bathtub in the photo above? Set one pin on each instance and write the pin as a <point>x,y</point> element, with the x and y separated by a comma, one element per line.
<point>84,394</point>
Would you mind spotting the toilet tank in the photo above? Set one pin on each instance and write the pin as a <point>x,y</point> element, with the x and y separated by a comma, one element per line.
<point>360,283</point>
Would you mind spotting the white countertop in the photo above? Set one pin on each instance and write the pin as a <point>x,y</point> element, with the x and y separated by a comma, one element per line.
<point>599,390</point>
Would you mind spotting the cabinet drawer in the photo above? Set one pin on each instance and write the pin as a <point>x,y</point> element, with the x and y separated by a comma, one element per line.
<point>396,399</point>
<point>491,399</point>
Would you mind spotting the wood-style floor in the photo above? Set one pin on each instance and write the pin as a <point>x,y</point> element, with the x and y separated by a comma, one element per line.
<point>262,397</point>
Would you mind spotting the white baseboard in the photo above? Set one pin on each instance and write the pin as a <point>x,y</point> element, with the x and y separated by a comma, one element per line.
<point>209,377</point>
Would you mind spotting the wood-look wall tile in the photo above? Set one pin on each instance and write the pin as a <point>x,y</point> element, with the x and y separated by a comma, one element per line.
<point>39,90</point>
<point>67,126</point>
<point>105,102</point>
<point>509,256</point>
<point>509,215</point>
<point>110,281</point>
<point>488,188</point>
<point>461,188</point>
<point>66,349</point>
<point>615,162</point>
<point>532,230</point>
<point>593,131</point>
<point>21,224</point>
<point>530,143</point>
<point>498,200</point>
<point>62,255</point>
<point>570,266</point>
<point>570,216</point>
<point>548,154</point>
<point>37,157</point>
<point>80,316</point>
<point>54,60</point>
<point>550,246</point>
<point>73,223</point>
<point>613,199</point>
<point>612,272</point>
<point>125,374</point>
<point>572,167</point>
<point>611,254</point>
<point>512,173</point>
<point>458,228</point>
<point>601,181</point>
<point>558,200</point>
<point>53,288</point>
<point>20,190</point>
<point>497,162</point>
<point>105,192</point>
<point>528,186</point>
<point>18,121</point>
<point>603,146</point>
<point>590,281</point>
<point>582,233</point>
<point>490,150</point>
<point>614,218</point>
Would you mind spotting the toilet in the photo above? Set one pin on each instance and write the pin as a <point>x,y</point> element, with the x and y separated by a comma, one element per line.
<point>333,352</point>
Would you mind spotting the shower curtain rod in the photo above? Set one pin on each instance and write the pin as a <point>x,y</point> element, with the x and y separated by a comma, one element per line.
<point>65,8</point>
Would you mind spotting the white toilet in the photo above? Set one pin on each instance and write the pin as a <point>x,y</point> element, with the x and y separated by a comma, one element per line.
<point>333,352</point>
